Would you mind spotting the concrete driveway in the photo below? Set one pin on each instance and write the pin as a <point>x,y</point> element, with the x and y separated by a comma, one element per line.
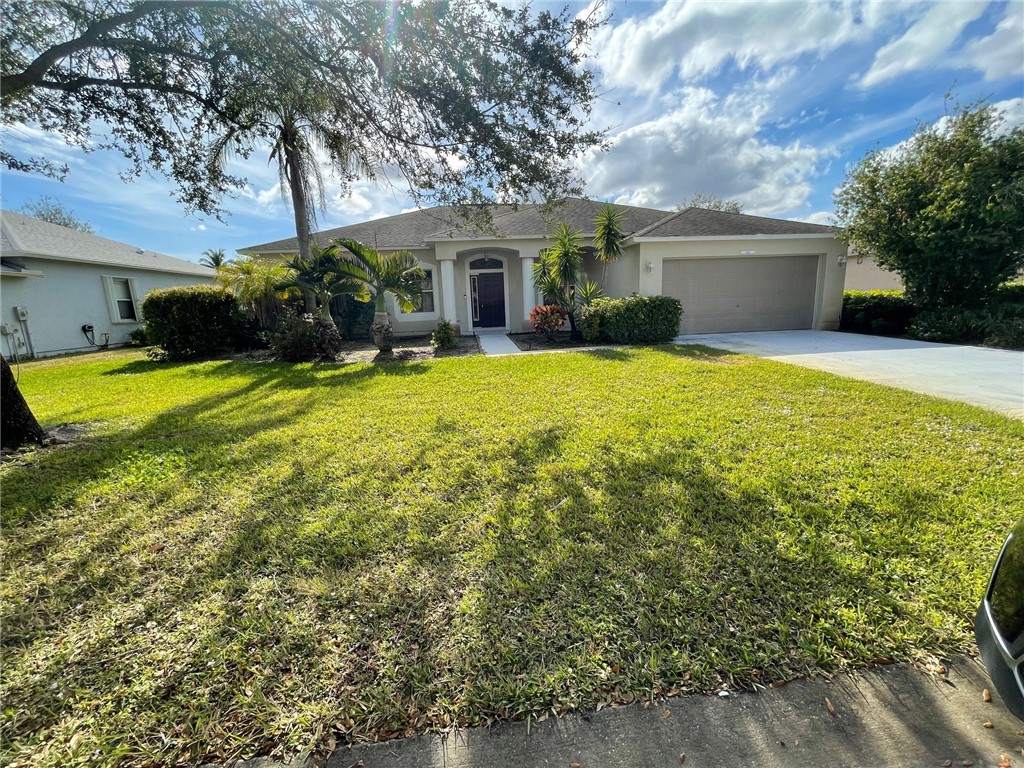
<point>991,378</point>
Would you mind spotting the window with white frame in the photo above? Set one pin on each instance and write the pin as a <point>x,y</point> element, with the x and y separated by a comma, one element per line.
<point>121,296</point>
<point>427,295</point>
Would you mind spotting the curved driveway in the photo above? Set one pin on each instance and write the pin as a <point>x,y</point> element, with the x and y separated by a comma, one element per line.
<point>991,378</point>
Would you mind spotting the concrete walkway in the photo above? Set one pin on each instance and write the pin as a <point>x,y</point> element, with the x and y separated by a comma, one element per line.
<point>497,343</point>
<point>891,716</point>
<point>991,378</point>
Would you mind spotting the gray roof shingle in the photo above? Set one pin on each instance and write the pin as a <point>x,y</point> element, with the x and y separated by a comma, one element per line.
<point>43,239</point>
<point>405,230</point>
<point>535,221</point>
<point>418,229</point>
<point>701,222</point>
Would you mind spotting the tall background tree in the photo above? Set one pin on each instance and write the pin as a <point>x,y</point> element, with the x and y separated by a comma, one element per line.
<point>945,209</point>
<point>711,203</point>
<point>48,209</point>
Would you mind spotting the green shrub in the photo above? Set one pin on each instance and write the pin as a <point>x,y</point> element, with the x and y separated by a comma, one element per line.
<point>1010,293</point>
<point>138,338</point>
<point>882,313</point>
<point>631,320</point>
<point>353,317</point>
<point>190,322</point>
<point>444,336</point>
<point>294,338</point>
<point>1002,326</point>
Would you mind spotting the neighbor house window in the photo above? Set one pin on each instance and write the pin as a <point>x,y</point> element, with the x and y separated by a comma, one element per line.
<point>121,294</point>
<point>427,286</point>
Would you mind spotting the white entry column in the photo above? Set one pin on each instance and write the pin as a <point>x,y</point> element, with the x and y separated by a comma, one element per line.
<point>529,292</point>
<point>448,311</point>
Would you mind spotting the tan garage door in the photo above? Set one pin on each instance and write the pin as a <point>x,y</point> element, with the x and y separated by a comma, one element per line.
<point>767,293</point>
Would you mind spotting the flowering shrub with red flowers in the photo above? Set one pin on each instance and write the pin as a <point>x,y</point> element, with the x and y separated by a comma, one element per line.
<point>548,318</point>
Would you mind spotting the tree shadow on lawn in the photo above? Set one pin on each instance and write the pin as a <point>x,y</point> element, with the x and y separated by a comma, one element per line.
<point>291,375</point>
<point>543,589</point>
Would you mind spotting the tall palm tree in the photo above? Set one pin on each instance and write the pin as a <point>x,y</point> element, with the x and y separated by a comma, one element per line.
<point>556,274</point>
<point>214,258</point>
<point>302,132</point>
<point>323,275</point>
<point>255,283</point>
<point>608,237</point>
<point>380,274</point>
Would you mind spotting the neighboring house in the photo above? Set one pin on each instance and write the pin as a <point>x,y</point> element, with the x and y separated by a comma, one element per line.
<point>62,290</point>
<point>863,274</point>
<point>731,271</point>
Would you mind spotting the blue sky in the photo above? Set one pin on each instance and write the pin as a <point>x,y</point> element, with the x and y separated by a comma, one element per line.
<point>765,103</point>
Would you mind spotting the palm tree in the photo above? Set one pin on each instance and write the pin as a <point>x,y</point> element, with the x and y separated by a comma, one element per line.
<point>608,237</point>
<point>255,283</point>
<point>214,258</point>
<point>323,275</point>
<point>556,274</point>
<point>301,131</point>
<point>380,274</point>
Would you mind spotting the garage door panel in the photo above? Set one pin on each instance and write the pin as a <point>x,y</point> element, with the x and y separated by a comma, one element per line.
<point>743,294</point>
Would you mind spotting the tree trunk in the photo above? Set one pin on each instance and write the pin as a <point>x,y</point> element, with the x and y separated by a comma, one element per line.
<point>297,187</point>
<point>381,332</point>
<point>19,425</point>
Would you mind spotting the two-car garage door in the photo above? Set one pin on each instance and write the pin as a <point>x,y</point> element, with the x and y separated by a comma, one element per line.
<point>766,293</point>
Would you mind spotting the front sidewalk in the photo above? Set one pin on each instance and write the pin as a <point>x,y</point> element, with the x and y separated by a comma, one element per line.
<point>890,716</point>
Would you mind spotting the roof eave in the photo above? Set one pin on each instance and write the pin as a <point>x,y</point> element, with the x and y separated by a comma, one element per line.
<point>107,263</point>
<point>708,238</point>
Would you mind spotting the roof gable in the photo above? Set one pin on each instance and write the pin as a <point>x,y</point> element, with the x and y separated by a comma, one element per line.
<point>24,234</point>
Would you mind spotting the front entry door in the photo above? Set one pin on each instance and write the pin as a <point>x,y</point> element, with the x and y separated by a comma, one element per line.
<point>488,299</point>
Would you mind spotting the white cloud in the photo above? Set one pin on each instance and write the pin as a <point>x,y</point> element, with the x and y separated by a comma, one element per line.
<point>705,144</point>
<point>924,42</point>
<point>818,217</point>
<point>1000,54</point>
<point>693,39</point>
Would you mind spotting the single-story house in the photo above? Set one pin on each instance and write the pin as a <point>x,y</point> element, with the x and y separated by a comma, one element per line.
<point>62,290</point>
<point>732,272</point>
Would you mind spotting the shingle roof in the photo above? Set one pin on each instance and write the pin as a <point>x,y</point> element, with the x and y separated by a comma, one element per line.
<point>23,234</point>
<point>701,222</point>
<point>419,228</point>
<point>405,230</point>
<point>534,221</point>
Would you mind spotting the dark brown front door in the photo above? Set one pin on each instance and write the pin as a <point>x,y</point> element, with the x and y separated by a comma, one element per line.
<point>488,299</point>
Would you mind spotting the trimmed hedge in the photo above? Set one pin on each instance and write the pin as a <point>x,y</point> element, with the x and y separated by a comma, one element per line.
<point>882,313</point>
<point>631,320</point>
<point>1002,326</point>
<point>190,322</point>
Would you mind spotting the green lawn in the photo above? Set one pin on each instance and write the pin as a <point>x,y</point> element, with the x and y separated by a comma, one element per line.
<point>248,556</point>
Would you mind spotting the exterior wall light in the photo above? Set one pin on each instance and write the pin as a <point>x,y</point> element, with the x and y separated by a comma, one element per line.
<point>648,266</point>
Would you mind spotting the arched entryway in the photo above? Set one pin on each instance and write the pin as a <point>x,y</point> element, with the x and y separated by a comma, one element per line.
<point>487,297</point>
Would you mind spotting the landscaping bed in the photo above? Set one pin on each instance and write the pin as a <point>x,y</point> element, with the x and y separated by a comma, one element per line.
<point>558,340</point>
<point>241,558</point>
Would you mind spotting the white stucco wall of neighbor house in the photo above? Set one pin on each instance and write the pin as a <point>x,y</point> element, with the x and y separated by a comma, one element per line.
<point>67,295</point>
<point>863,274</point>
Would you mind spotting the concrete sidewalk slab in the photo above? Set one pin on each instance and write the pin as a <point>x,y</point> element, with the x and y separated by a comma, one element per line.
<point>991,378</point>
<point>890,716</point>
<point>497,343</point>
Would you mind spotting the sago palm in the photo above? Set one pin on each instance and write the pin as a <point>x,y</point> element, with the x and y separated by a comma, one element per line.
<point>381,274</point>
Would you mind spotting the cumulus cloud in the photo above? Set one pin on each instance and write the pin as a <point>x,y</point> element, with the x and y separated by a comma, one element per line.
<point>924,43</point>
<point>1000,54</point>
<point>705,144</point>
<point>693,39</point>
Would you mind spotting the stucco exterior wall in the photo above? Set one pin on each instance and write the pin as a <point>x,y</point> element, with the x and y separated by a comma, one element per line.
<point>863,274</point>
<point>69,295</point>
<point>828,302</point>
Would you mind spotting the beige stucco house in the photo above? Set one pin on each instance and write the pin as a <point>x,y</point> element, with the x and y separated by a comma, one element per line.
<point>732,272</point>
